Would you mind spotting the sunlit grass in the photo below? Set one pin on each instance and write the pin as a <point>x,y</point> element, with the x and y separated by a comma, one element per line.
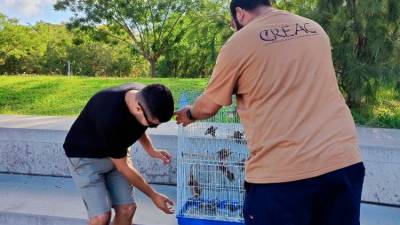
<point>60,95</point>
<point>66,96</point>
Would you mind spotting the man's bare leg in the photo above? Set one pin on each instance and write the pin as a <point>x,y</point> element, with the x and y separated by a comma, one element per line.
<point>124,214</point>
<point>101,219</point>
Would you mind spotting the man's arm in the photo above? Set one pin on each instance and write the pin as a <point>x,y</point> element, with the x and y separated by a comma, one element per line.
<point>220,88</point>
<point>202,109</point>
<point>148,146</point>
<point>124,166</point>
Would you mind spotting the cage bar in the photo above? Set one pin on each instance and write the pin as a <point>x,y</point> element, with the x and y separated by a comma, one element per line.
<point>211,160</point>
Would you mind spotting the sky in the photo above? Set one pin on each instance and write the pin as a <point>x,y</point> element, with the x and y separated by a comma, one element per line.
<point>32,11</point>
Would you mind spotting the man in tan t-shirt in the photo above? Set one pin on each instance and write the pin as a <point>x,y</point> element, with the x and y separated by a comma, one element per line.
<point>304,166</point>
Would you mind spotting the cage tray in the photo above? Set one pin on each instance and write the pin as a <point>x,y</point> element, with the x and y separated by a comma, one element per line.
<point>195,221</point>
<point>187,220</point>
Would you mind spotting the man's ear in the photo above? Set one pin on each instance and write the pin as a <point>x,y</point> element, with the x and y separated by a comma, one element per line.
<point>138,108</point>
<point>239,14</point>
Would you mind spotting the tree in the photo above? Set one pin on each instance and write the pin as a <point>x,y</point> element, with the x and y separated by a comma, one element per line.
<point>19,46</point>
<point>196,53</point>
<point>152,25</point>
<point>365,36</point>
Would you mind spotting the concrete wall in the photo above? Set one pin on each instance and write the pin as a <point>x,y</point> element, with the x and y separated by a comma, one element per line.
<point>40,152</point>
<point>31,147</point>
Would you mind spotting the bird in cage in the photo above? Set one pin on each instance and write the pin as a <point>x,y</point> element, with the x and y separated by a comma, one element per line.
<point>227,173</point>
<point>211,131</point>
<point>224,154</point>
<point>238,136</point>
<point>194,186</point>
<point>241,164</point>
<point>209,207</point>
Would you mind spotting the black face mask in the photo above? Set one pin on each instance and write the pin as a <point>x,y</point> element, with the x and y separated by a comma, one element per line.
<point>146,117</point>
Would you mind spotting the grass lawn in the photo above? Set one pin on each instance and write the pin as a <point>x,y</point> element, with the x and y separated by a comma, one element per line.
<point>61,95</point>
<point>385,113</point>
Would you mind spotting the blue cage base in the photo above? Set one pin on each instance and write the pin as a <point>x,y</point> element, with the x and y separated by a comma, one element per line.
<point>185,220</point>
<point>194,221</point>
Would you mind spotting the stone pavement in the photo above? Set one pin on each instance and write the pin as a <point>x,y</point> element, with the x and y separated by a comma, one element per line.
<point>36,200</point>
<point>58,197</point>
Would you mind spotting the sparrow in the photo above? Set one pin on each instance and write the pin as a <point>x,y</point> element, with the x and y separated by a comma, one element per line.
<point>211,130</point>
<point>227,173</point>
<point>224,153</point>
<point>194,186</point>
<point>238,136</point>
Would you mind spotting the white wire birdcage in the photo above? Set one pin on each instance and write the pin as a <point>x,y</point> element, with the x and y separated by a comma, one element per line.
<point>211,158</point>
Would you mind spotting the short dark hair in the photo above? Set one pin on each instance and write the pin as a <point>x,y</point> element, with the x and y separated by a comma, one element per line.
<point>158,102</point>
<point>247,5</point>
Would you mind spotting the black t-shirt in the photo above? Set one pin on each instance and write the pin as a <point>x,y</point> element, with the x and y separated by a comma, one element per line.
<point>105,127</point>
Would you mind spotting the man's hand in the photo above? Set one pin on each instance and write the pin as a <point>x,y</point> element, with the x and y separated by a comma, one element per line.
<point>182,118</point>
<point>203,108</point>
<point>161,154</point>
<point>163,203</point>
<point>145,141</point>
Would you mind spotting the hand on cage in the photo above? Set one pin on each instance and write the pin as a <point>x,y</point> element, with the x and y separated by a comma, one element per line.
<point>162,155</point>
<point>182,116</point>
<point>163,203</point>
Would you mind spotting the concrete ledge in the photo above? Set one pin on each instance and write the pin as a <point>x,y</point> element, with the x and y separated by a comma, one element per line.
<point>33,145</point>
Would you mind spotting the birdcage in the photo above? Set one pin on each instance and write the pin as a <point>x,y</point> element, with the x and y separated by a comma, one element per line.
<point>211,160</point>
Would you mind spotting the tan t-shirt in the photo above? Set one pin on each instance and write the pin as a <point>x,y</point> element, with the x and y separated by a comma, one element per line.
<point>296,121</point>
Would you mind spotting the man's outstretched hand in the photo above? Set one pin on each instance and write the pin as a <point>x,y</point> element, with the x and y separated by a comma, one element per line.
<point>182,118</point>
<point>163,155</point>
<point>163,203</point>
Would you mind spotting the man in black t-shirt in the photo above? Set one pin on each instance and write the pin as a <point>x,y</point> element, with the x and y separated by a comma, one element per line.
<point>97,149</point>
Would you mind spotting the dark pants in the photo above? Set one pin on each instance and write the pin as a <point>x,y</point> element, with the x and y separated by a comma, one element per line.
<point>330,199</point>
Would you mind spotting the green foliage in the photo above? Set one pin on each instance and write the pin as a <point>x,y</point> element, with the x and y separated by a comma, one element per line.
<point>365,37</point>
<point>152,26</point>
<point>19,46</point>
<point>182,39</point>
<point>385,112</point>
<point>60,95</point>
<point>196,53</point>
<point>47,48</point>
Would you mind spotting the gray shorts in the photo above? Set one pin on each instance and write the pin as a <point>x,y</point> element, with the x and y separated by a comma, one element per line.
<point>101,185</point>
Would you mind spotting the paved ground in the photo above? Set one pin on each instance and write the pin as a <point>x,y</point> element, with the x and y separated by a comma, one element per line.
<point>50,196</point>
